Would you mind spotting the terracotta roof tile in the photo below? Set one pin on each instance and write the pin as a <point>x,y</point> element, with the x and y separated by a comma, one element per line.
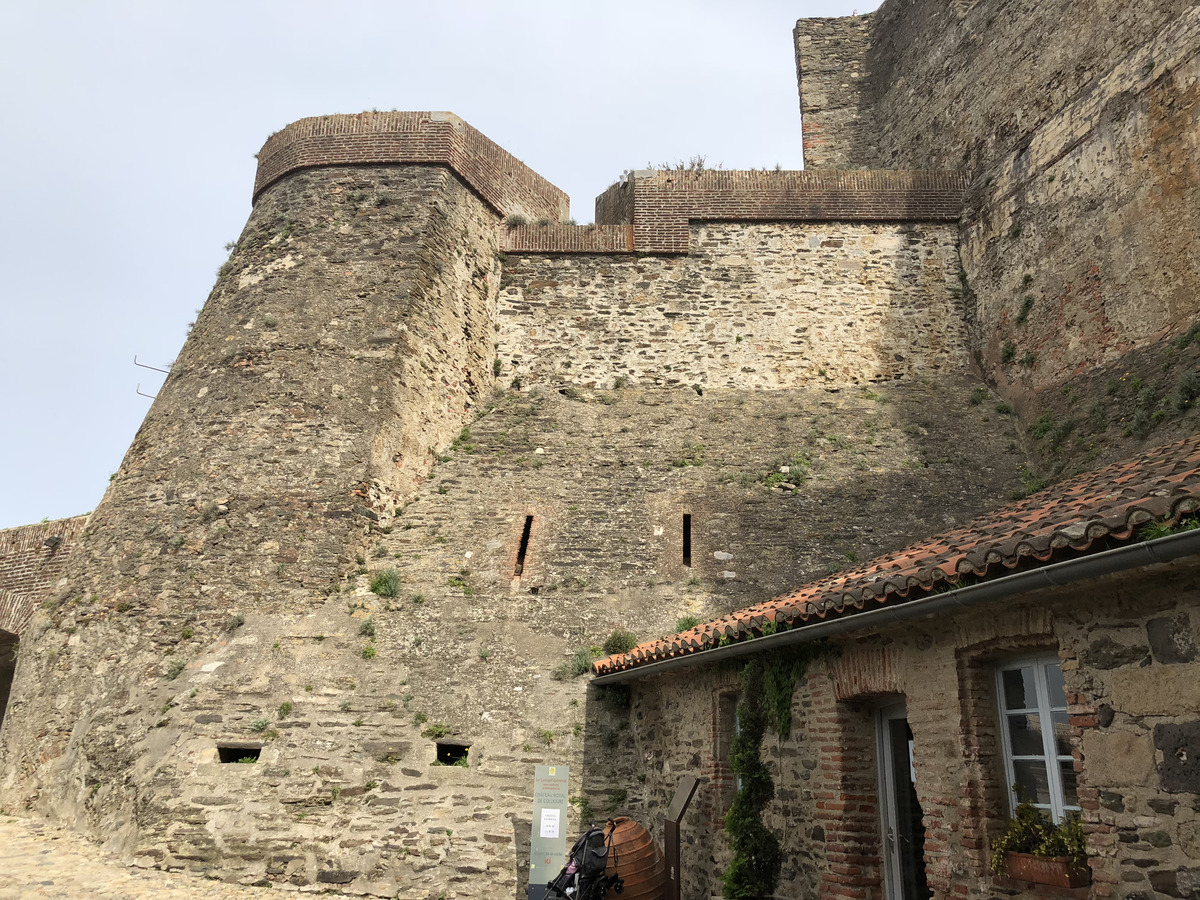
<point>1107,505</point>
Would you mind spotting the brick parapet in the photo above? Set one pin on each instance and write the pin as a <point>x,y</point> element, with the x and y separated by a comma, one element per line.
<point>665,201</point>
<point>568,239</point>
<point>32,558</point>
<point>660,204</point>
<point>505,183</point>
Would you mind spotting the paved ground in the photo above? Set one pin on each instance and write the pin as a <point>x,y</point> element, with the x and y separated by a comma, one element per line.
<point>43,861</point>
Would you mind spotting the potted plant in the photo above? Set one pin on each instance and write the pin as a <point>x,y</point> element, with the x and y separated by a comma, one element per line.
<point>1034,849</point>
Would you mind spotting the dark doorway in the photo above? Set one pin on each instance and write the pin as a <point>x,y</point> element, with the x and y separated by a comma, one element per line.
<point>903,829</point>
<point>8,667</point>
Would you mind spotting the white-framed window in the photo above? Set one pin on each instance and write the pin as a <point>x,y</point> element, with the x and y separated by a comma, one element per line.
<point>1037,735</point>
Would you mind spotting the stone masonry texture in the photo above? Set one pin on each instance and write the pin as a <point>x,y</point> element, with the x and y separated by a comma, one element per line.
<point>369,389</point>
<point>1078,234</point>
<point>308,578</point>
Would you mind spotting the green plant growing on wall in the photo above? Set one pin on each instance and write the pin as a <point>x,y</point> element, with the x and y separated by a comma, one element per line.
<point>386,583</point>
<point>768,682</point>
<point>754,870</point>
<point>579,663</point>
<point>686,623</point>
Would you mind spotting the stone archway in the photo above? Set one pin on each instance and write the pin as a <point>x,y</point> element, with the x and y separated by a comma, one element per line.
<point>15,612</point>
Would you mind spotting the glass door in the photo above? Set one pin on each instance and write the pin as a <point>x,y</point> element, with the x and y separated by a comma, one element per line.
<point>900,813</point>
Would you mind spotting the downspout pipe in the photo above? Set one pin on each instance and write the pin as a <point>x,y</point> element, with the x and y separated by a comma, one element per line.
<point>1120,559</point>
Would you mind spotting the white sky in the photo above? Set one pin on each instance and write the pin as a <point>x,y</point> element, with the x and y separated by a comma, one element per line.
<point>130,128</point>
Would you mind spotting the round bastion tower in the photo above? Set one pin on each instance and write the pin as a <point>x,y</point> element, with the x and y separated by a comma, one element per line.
<point>349,338</point>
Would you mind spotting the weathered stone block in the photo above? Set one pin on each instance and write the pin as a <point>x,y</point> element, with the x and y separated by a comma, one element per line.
<point>1179,770</point>
<point>1105,653</point>
<point>1171,638</point>
<point>337,876</point>
<point>1157,690</point>
<point>1116,758</point>
<point>1183,883</point>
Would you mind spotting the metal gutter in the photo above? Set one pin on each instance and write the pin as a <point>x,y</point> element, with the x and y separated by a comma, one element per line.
<point>1106,562</point>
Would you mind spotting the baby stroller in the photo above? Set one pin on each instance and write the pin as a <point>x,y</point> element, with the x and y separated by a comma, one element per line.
<point>584,876</point>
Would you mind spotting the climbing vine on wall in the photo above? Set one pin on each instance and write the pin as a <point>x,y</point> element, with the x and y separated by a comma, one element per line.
<point>768,682</point>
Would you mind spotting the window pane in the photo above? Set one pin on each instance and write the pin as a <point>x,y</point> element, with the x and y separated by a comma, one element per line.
<point>1062,734</point>
<point>1032,783</point>
<point>1070,793</point>
<point>1054,679</point>
<point>1019,690</point>
<point>1025,733</point>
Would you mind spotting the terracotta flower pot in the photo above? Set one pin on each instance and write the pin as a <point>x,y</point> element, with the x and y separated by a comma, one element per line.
<point>1060,871</point>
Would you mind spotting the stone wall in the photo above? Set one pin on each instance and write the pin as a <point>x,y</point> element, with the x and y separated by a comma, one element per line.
<point>760,306</point>
<point>1078,232</point>
<point>1129,659</point>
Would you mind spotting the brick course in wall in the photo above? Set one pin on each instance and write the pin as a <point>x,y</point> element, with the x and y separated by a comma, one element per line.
<point>505,183</point>
<point>555,238</point>
<point>661,203</point>
<point>32,558</point>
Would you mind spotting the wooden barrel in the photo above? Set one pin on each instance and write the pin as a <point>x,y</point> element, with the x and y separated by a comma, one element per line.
<point>636,858</point>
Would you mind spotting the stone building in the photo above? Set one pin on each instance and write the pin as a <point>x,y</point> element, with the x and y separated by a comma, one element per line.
<point>1046,650</point>
<point>428,445</point>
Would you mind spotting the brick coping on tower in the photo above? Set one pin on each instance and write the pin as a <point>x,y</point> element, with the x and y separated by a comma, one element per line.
<point>505,183</point>
<point>647,212</point>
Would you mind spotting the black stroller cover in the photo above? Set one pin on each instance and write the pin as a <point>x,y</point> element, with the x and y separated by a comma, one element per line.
<point>583,877</point>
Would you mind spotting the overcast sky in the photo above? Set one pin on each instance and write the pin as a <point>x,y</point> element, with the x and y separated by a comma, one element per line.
<point>129,137</point>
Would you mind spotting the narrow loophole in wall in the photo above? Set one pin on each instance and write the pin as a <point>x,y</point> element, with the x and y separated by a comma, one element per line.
<point>450,753</point>
<point>524,548</point>
<point>8,667</point>
<point>687,539</point>
<point>235,753</point>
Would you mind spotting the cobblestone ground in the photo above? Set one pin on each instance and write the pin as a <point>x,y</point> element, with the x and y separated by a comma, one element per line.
<point>39,860</point>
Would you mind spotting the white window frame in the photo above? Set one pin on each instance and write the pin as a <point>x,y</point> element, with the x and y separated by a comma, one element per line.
<point>1050,757</point>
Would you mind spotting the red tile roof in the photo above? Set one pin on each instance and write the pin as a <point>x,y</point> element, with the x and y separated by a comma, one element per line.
<point>1105,506</point>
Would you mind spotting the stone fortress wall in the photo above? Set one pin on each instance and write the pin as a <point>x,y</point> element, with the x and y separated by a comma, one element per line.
<point>374,384</point>
<point>1084,162</point>
<point>389,376</point>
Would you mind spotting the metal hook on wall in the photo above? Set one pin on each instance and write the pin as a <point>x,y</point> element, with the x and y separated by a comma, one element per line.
<point>143,393</point>
<point>144,366</point>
